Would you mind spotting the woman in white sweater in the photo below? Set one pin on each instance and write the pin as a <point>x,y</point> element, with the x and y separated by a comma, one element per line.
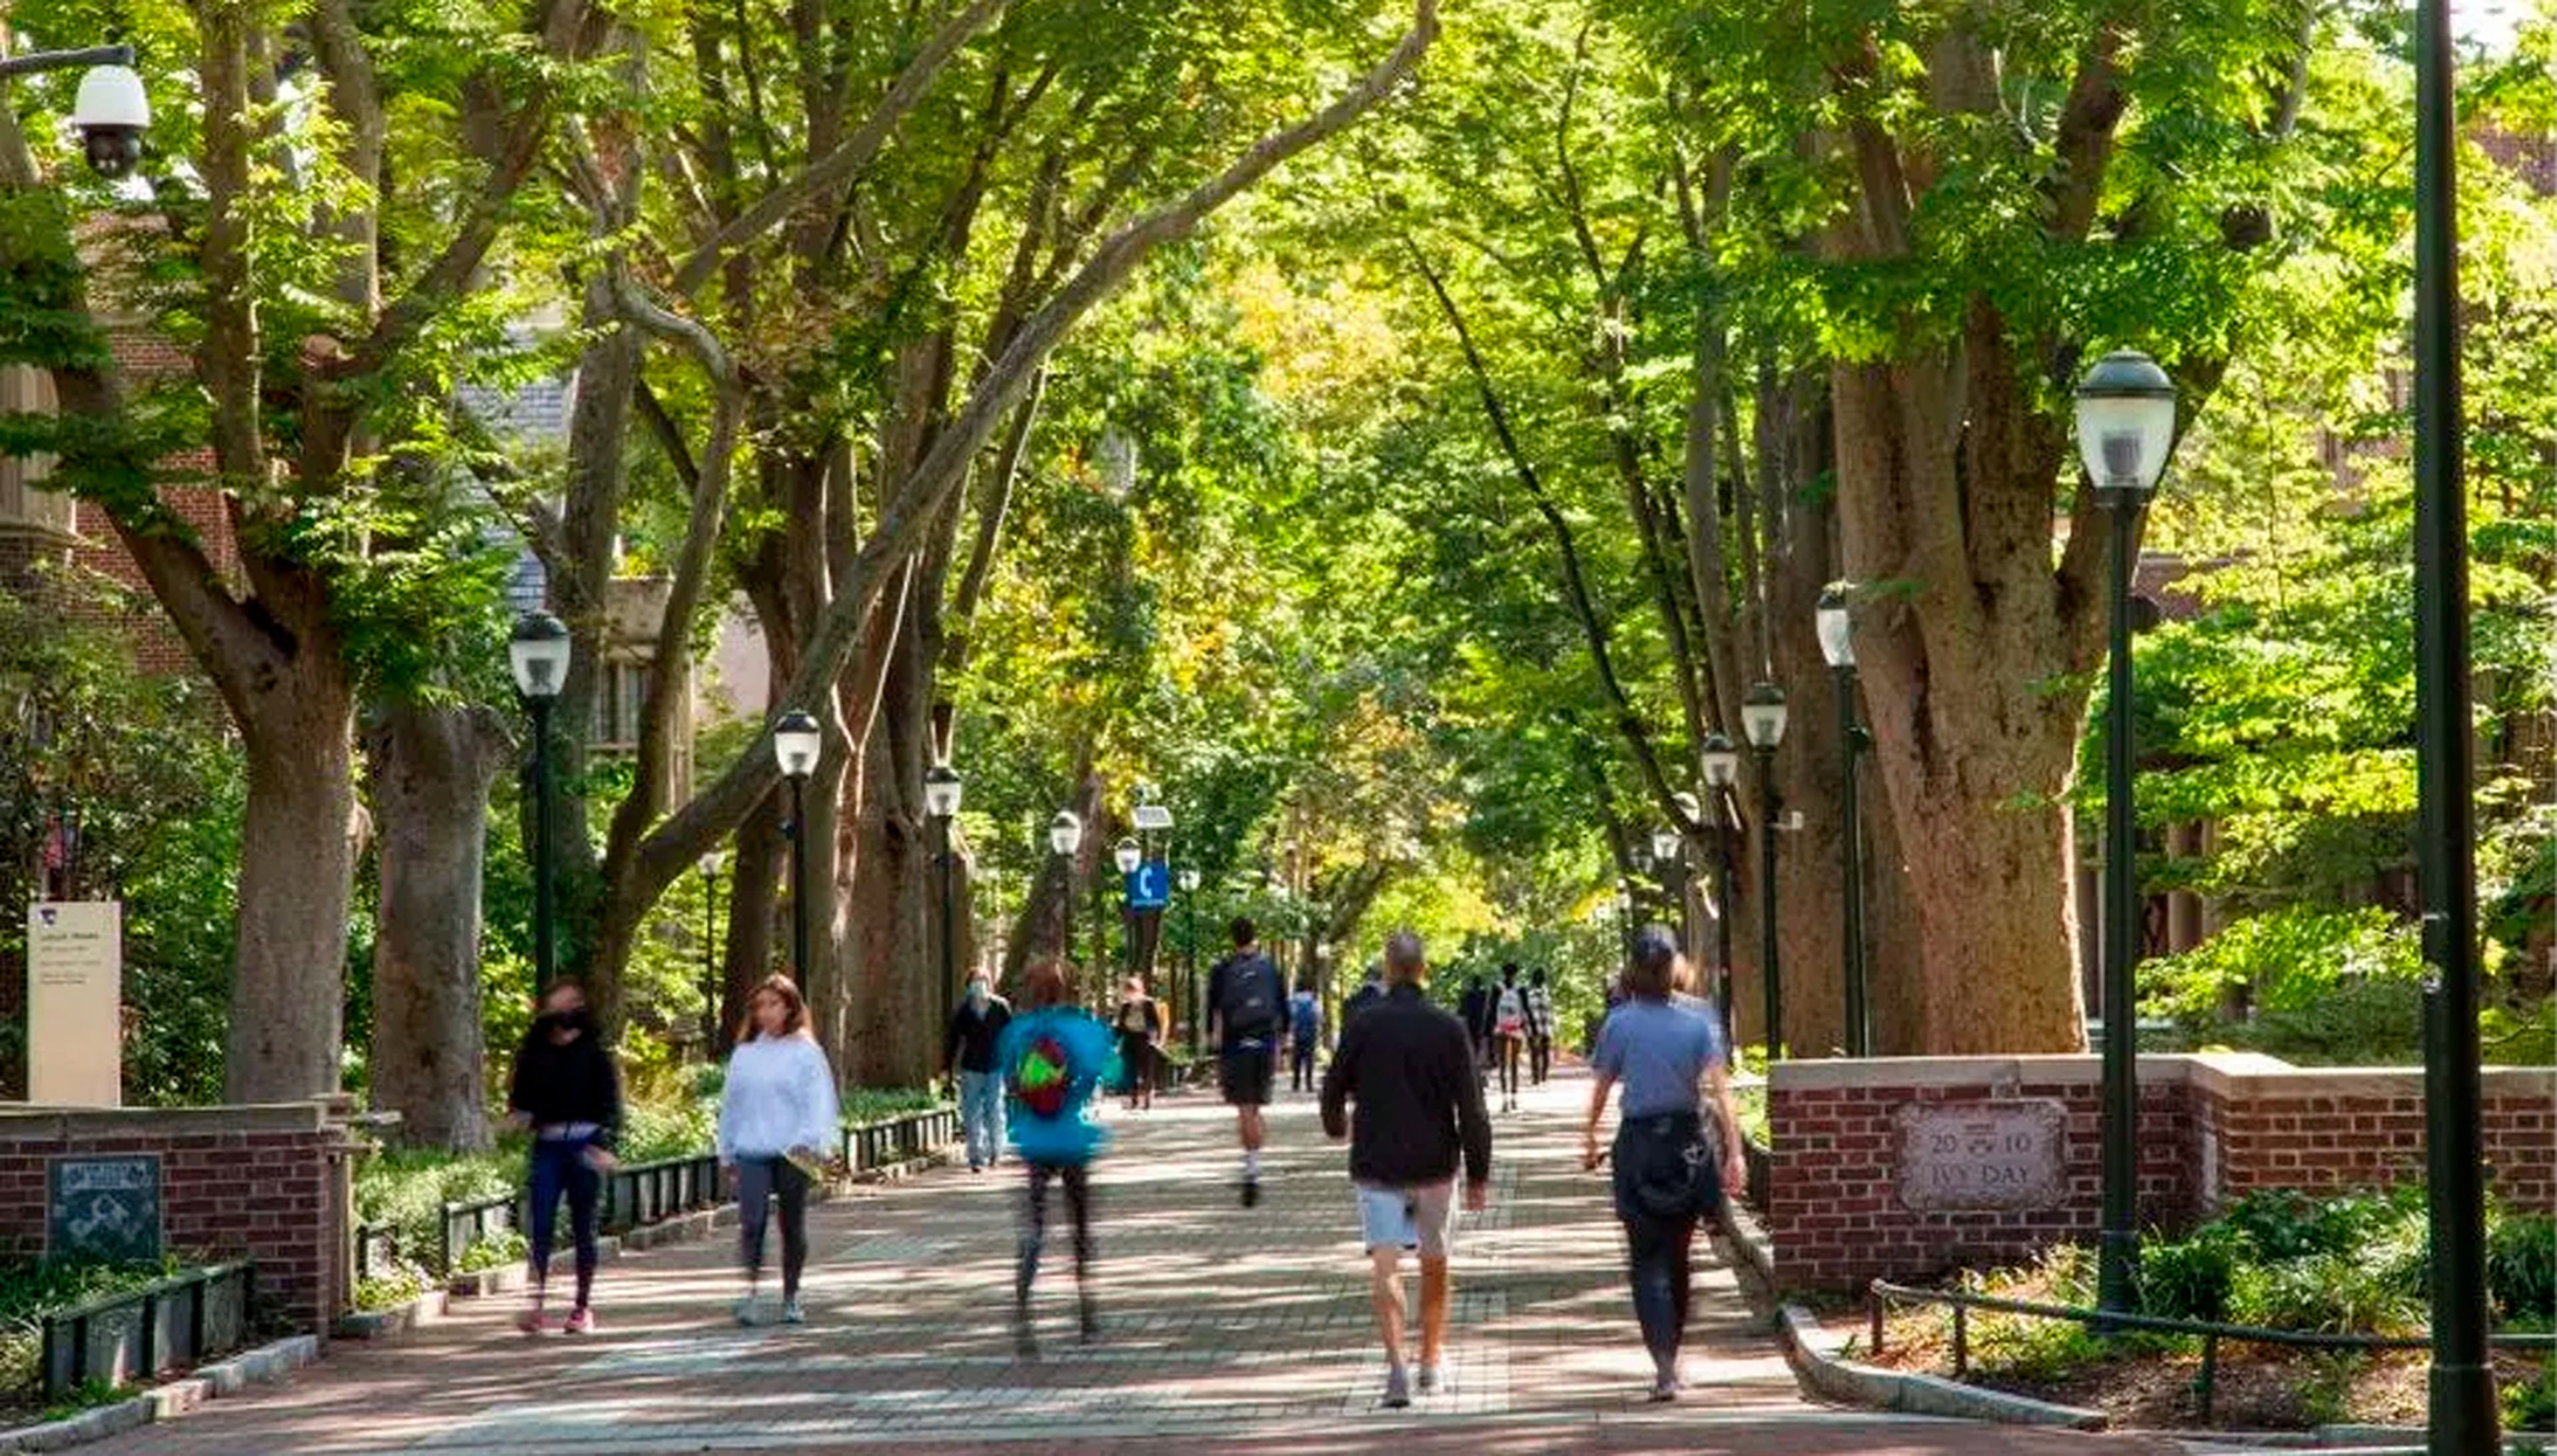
<point>778,1115</point>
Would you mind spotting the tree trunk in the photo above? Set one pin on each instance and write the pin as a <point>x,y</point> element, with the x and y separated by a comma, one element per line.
<point>297,870</point>
<point>753,902</point>
<point>431,768</point>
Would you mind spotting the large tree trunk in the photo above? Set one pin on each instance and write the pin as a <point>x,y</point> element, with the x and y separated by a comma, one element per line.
<point>431,768</point>
<point>754,899</point>
<point>297,870</point>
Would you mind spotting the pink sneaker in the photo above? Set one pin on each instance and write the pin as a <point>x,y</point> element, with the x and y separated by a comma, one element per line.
<point>581,1321</point>
<point>533,1322</point>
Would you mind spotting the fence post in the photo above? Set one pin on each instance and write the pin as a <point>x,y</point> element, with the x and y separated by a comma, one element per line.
<point>2209,1383</point>
<point>1873,1314</point>
<point>1962,1341</point>
<point>149,1352</point>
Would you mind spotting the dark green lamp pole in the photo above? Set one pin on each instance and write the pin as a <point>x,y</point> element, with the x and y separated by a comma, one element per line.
<point>1669,853</point>
<point>1064,840</point>
<point>2464,1421</point>
<point>1189,882</point>
<point>796,740</point>
<point>709,867</point>
<point>1126,855</point>
<point>943,790</point>
<point>1721,771</point>
<point>1762,721</point>
<point>2125,429</point>
<point>538,654</point>
<point>1838,644</point>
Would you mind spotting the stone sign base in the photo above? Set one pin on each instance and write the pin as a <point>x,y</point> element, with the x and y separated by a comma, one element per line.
<point>1904,1168</point>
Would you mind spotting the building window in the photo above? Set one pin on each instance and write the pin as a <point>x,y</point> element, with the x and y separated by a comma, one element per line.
<point>618,700</point>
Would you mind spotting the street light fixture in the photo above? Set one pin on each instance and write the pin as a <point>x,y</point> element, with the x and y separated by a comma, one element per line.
<point>1762,720</point>
<point>110,110</point>
<point>796,741</point>
<point>1064,840</point>
<point>942,791</point>
<point>538,653</point>
<point>1838,644</point>
<point>2125,410</point>
<point>1721,772</point>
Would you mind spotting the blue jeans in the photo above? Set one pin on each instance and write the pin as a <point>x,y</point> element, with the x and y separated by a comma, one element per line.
<point>980,1111</point>
<point>559,1166</point>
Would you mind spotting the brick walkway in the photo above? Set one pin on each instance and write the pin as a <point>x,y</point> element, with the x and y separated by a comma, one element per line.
<point>1222,1329</point>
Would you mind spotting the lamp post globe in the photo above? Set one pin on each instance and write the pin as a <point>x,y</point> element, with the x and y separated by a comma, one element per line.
<point>1762,717</point>
<point>1837,629</point>
<point>2125,415</point>
<point>537,652</point>
<point>1065,840</point>
<point>1721,771</point>
<point>943,789</point>
<point>1666,843</point>
<point>1126,855</point>
<point>1065,832</point>
<point>1721,761</point>
<point>796,743</point>
<point>1189,880</point>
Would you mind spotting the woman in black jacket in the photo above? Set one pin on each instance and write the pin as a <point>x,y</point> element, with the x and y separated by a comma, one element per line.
<point>566,1092</point>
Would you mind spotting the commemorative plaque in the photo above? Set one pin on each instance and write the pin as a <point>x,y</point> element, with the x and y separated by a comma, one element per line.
<point>2006,1154</point>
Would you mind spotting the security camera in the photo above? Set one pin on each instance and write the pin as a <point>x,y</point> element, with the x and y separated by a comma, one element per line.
<point>111,113</point>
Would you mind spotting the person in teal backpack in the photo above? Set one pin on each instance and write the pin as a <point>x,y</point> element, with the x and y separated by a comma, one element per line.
<point>1055,1059</point>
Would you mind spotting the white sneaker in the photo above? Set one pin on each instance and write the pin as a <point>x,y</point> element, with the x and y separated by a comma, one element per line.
<point>750,1311</point>
<point>792,1314</point>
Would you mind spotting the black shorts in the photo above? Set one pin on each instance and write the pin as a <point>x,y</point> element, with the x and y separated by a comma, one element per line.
<point>1245,1070</point>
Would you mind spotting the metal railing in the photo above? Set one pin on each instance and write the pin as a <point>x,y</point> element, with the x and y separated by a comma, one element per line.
<point>896,1139</point>
<point>639,1194</point>
<point>179,1320</point>
<point>468,1222</point>
<point>1882,1293</point>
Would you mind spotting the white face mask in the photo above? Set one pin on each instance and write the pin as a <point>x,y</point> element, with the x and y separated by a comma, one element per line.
<point>976,993</point>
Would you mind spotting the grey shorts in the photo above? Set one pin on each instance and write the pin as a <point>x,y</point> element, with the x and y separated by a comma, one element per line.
<point>1422,1216</point>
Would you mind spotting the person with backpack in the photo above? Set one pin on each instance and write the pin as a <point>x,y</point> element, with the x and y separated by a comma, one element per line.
<point>567,1093</point>
<point>1410,1068</point>
<point>1246,998</point>
<point>1539,1027</point>
<point>777,1119</point>
<point>1509,1032</point>
<point>1304,1029</point>
<point>968,1047</point>
<point>1055,1056</point>
<point>1139,1025</point>
<point>1369,991</point>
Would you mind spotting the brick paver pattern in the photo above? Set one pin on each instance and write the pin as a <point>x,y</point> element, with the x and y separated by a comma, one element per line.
<point>1222,1327</point>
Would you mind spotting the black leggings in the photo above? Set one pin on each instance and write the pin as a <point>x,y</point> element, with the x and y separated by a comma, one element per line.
<point>760,1179</point>
<point>1137,1056</point>
<point>1301,1066</point>
<point>1078,1207</point>
<point>1509,1059</point>
<point>559,1166</point>
<point>1539,1057</point>
<point>1658,1256</point>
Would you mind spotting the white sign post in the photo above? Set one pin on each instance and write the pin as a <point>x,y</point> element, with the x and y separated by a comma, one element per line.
<point>74,1003</point>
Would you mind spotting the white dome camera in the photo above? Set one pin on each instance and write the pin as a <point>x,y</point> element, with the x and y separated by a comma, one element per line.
<point>111,113</point>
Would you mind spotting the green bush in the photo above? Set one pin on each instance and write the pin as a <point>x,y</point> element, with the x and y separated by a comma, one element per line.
<point>679,1127</point>
<point>496,1251</point>
<point>29,1291</point>
<point>2191,1279</point>
<point>874,1104</point>
<point>405,1190</point>
<point>2533,1406</point>
<point>2327,985</point>
<point>2331,1293</point>
<point>2521,1268</point>
<point>2283,1224</point>
<point>389,1290</point>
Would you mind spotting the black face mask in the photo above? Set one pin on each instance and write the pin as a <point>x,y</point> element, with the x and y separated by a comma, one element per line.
<point>580,1020</point>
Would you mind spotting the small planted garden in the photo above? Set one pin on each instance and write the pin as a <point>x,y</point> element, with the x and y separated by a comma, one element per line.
<point>35,1294</point>
<point>2351,1264</point>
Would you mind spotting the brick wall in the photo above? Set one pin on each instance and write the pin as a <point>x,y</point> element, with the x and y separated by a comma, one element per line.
<point>2212,1128</point>
<point>264,1182</point>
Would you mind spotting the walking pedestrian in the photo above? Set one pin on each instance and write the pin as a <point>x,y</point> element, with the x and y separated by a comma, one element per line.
<point>1666,1050</point>
<point>1509,1032</point>
<point>778,1117</point>
<point>1304,1029</point>
<point>1139,1023</point>
<point>565,1089</point>
<point>1474,1008</point>
<point>968,1047</point>
<point>1054,1056</point>
<point>1369,991</point>
<point>1410,1068</point>
<point>1539,1027</point>
<point>1245,997</point>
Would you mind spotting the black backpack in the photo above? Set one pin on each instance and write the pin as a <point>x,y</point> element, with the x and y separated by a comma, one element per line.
<point>1249,1003</point>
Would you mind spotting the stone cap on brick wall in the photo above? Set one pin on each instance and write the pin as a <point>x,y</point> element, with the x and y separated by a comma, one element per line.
<point>20,1122</point>
<point>2226,1073</point>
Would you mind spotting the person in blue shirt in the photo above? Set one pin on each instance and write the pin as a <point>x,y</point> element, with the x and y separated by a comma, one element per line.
<point>1666,1050</point>
<point>1054,1058</point>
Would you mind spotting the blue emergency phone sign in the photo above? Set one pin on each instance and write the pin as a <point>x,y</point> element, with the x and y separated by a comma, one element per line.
<point>1149,887</point>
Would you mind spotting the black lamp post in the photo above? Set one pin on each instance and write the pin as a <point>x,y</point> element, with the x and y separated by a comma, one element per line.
<point>796,740</point>
<point>2125,429</point>
<point>1721,771</point>
<point>942,790</point>
<point>1189,915</point>
<point>1838,644</point>
<point>2462,1406</point>
<point>1669,856</point>
<point>709,867</point>
<point>1126,855</point>
<point>538,653</point>
<point>1064,840</point>
<point>1762,721</point>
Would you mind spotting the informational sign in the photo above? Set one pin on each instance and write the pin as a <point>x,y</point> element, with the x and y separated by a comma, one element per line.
<point>2006,1154</point>
<point>103,1208</point>
<point>1152,818</point>
<point>74,1003</point>
<point>1149,887</point>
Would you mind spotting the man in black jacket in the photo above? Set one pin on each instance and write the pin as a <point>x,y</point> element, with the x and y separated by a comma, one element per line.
<point>1409,1066</point>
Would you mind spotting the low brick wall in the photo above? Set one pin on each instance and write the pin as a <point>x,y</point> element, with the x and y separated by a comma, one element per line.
<point>257,1182</point>
<point>2213,1127</point>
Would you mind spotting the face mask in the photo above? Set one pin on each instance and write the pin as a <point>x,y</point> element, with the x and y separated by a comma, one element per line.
<point>578,1021</point>
<point>976,992</point>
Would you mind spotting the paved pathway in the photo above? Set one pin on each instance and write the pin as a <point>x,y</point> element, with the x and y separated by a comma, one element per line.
<point>1223,1329</point>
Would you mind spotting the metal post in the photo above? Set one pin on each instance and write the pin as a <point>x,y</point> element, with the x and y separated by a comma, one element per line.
<point>1768,965</point>
<point>1198,1011</point>
<point>2464,1418</point>
<point>1859,1010</point>
<point>949,926</point>
<point>545,947</point>
<point>710,966</point>
<point>2118,1272</point>
<point>1065,928</point>
<point>798,884</point>
<point>36,60</point>
<point>1722,920</point>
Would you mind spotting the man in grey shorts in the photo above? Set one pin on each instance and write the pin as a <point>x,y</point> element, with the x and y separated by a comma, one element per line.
<point>1409,1067</point>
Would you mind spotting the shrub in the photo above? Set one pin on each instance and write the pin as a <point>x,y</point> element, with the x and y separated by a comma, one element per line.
<point>406,1189</point>
<point>2521,1268</point>
<point>874,1104</point>
<point>2283,1224</point>
<point>2189,1280</point>
<point>2332,1293</point>
<point>2533,1406</point>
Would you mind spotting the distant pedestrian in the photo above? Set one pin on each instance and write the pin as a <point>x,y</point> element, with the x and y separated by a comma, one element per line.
<point>1508,1033</point>
<point>1540,1026</point>
<point>1410,1068</point>
<point>1369,991</point>
<point>778,1118</point>
<point>1474,1009</point>
<point>1054,1056</point>
<point>1139,1023</point>
<point>1667,1052</point>
<point>1245,997</point>
<point>967,1048</point>
<point>566,1091</point>
<point>1304,1030</point>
